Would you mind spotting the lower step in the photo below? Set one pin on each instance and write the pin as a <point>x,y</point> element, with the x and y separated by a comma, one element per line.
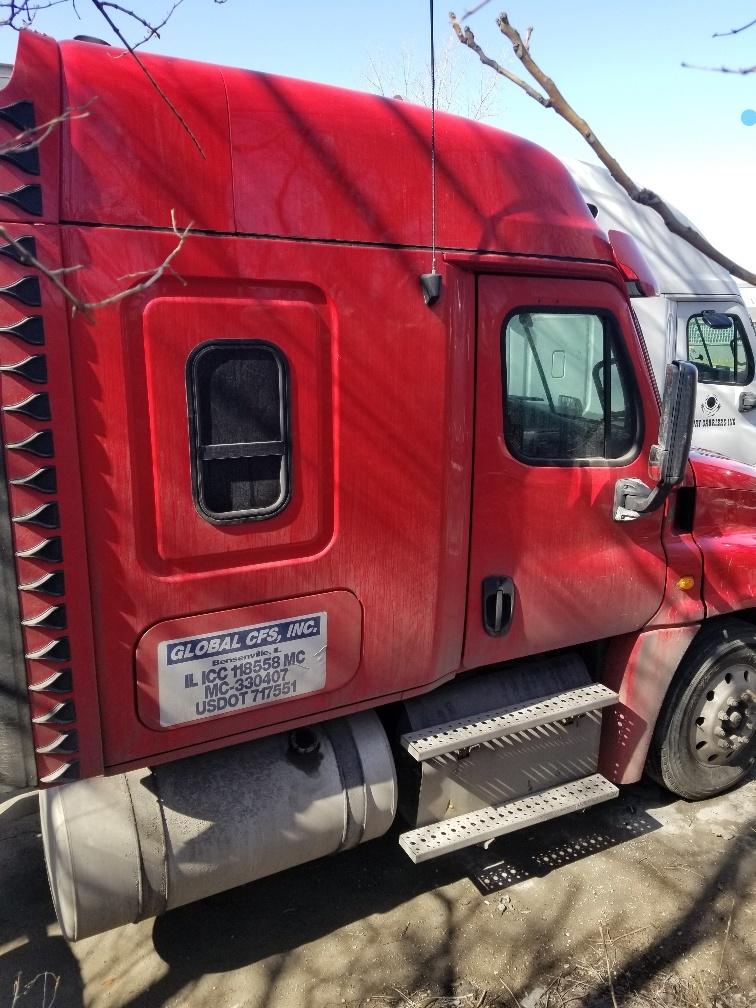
<point>476,827</point>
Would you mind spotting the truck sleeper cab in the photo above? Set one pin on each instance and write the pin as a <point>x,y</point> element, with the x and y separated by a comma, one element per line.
<point>286,548</point>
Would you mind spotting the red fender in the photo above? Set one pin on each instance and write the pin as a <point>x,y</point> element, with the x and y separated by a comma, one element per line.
<point>639,667</point>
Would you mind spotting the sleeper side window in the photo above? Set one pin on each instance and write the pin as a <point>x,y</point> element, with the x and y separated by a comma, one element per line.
<point>568,394</point>
<point>238,412</point>
<point>719,351</point>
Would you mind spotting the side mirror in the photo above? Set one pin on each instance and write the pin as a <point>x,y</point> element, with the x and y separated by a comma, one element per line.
<point>632,498</point>
<point>716,320</point>
<point>676,427</point>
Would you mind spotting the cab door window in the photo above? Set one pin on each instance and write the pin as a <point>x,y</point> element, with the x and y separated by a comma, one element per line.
<point>719,351</point>
<point>568,394</point>
<point>238,414</point>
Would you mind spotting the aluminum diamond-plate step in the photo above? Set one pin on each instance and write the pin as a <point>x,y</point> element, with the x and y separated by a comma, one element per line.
<point>476,827</point>
<point>446,738</point>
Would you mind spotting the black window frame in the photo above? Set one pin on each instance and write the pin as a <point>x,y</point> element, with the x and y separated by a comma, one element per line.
<point>741,329</point>
<point>612,328</point>
<point>197,449</point>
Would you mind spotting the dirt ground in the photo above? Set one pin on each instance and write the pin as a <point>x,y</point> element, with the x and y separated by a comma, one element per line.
<point>658,893</point>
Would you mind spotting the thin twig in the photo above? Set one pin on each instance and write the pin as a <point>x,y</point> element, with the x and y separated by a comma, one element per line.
<point>22,14</point>
<point>55,275</point>
<point>735,31</point>
<point>608,968</point>
<point>742,71</point>
<point>25,11</point>
<point>102,7</point>
<point>511,994</point>
<point>474,10</point>
<point>153,31</point>
<point>626,934</point>
<point>402,995</point>
<point>722,955</point>
<point>20,991</point>
<point>28,139</point>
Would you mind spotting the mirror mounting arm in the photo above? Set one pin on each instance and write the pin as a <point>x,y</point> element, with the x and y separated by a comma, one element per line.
<point>632,498</point>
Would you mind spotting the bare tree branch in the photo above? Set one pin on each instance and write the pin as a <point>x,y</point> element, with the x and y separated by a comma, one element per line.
<point>480,109</point>
<point>103,7</point>
<point>21,14</point>
<point>553,98</point>
<point>467,38</point>
<point>374,77</point>
<point>29,139</point>
<point>740,71</point>
<point>474,10</point>
<point>153,31</point>
<point>56,275</point>
<point>735,31</point>
<point>723,69</point>
<point>405,77</point>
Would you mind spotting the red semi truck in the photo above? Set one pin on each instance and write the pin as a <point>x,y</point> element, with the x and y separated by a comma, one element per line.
<point>285,547</point>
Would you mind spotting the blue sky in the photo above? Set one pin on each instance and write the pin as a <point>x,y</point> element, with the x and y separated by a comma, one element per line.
<point>676,130</point>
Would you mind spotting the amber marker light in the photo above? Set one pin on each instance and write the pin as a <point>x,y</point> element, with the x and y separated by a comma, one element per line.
<point>686,582</point>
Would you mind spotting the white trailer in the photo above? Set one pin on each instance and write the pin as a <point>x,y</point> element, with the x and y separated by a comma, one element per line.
<point>699,315</point>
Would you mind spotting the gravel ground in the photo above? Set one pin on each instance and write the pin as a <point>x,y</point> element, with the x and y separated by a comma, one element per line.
<point>657,893</point>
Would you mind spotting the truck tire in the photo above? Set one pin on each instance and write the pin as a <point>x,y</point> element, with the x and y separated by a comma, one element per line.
<point>704,742</point>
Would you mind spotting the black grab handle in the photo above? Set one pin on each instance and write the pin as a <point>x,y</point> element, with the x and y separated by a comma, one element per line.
<point>498,604</point>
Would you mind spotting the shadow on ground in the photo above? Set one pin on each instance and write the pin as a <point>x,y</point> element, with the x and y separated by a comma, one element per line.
<point>299,906</point>
<point>344,928</point>
<point>26,916</point>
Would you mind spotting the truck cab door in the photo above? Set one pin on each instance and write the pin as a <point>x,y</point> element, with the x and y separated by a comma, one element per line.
<point>564,409</point>
<point>724,358</point>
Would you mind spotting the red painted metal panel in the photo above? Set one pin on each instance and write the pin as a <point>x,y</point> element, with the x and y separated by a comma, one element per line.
<point>32,95</point>
<point>76,688</point>
<point>178,537</point>
<point>684,561</point>
<point>308,160</point>
<point>131,161</point>
<point>632,263</point>
<point>640,668</point>
<point>381,392</point>
<point>321,162</point>
<point>725,531</point>
<point>715,472</point>
<point>578,574</point>
<point>555,269</point>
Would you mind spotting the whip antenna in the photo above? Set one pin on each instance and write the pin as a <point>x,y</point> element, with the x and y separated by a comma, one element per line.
<point>431,282</point>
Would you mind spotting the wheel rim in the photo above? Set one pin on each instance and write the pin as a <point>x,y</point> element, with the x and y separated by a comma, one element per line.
<point>725,723</point>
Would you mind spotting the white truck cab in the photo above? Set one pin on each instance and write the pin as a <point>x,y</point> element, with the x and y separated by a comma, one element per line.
<point>699,315</point>
<point>748,293</point>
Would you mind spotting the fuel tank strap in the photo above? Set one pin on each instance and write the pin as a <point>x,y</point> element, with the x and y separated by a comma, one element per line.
<point>153,896</point>
<point>352,780</point>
